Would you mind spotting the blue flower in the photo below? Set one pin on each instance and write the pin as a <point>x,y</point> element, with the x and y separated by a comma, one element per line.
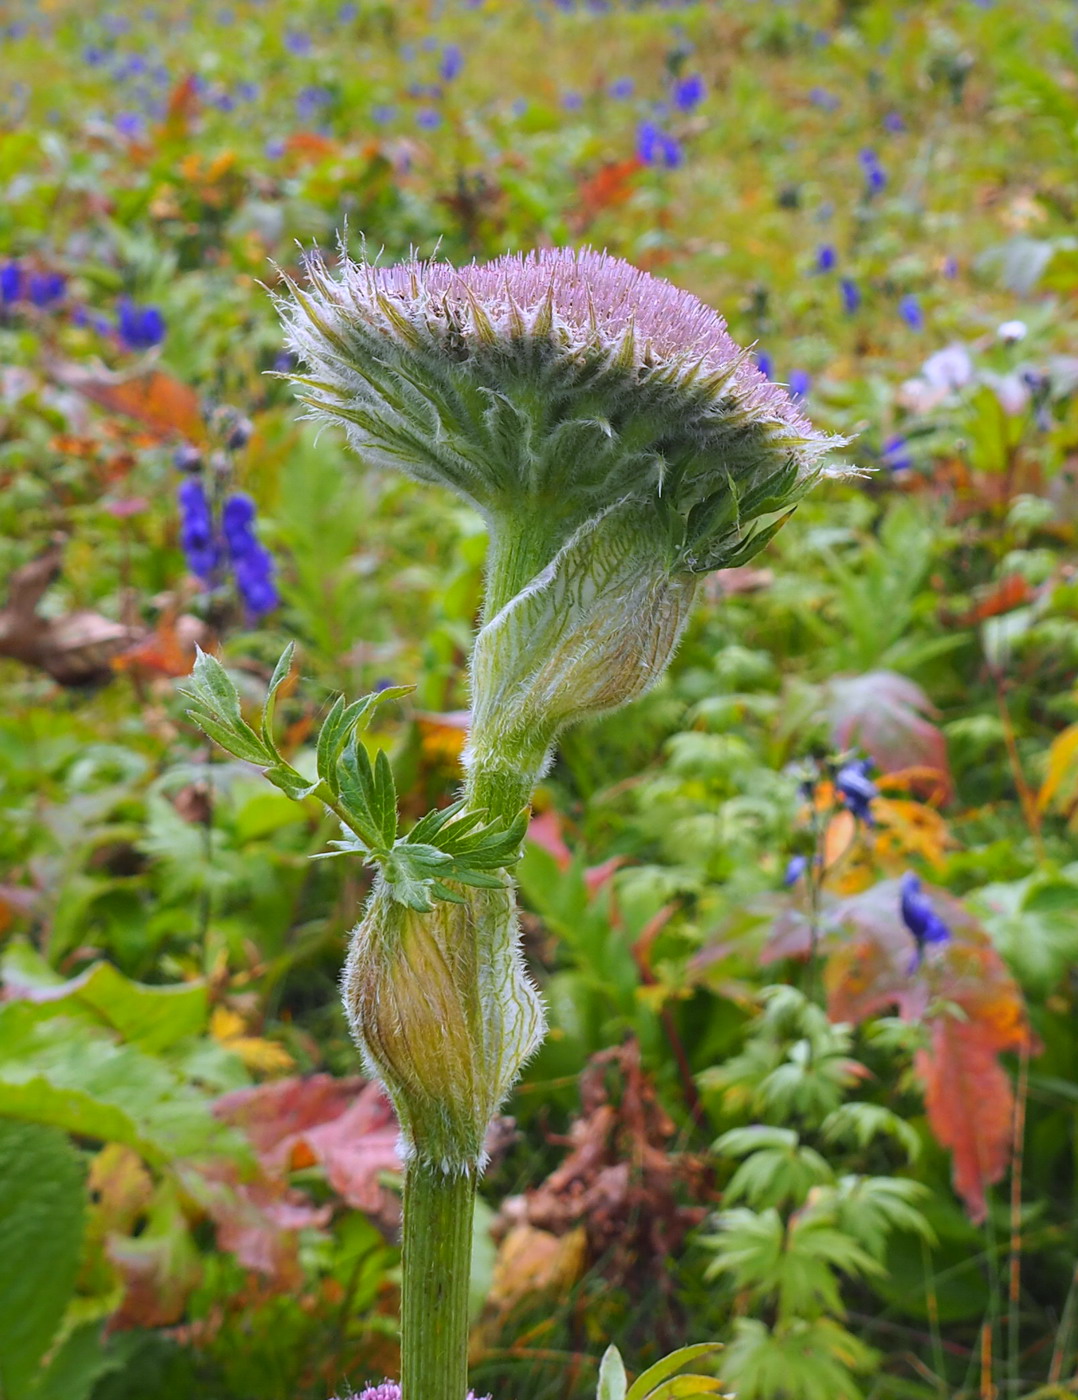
<point>428,118</point>
<point>909,308</point>
<point>763,363</point>
<point>800,383</point>
<point>689,92</point>
<point>794,870</point>
<point>851,295</point>
<point>252,563</point>
<point>656,147</point>
<point>820,97</point>
<point>826,258</point>
<point>896,455</point>
<point>621,87</point>
<point>857,789</point>
<point>140,327</point>
<point>875,179</point>
<point>920,918</point>
<point>572,101</point>
<point>893,122</point>
<point>197,536</point>
<point>10,283</point>
<point>452,62</point>
<point>44,288</point>
<point>297,43</point>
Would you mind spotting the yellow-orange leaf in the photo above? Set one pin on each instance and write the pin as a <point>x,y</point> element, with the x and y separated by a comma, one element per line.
<point>1061,777</point>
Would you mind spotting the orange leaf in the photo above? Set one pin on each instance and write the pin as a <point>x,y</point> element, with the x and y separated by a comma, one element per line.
<point>1011,592</point>
<point>611,185</point>
<point>1061,774</point>
<point>970,1106</point>
<point>166,406</point>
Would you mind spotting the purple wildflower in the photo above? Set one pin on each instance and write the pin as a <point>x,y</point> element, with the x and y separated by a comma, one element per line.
<point>896,456</point>
<point>10,283</point>
<point>452,62</point>
<point>656,147</point>
<point>795,870</point>
<point>252,563</point>
<point>689,92</point>
<point>857,789</point>
<point>820,97</point>
<point>826,258</point>
<point>428,118</point>
<point>920,918</point>
<point>763,363</point>
<point>909,308</point>
<point>45,288</point>
<point>197,536</point>
<point>572,101</point>
<point>893,122</point>
<point>800,383</point>
<point>875,179</point>
<point>297,43</point>
<point>621,87</point>
<point>140,327</point>
<point>851,295</point>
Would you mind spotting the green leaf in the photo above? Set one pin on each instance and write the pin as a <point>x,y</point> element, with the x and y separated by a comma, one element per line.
<point>384,799</point>
<point>357,794</point>
<point>78,1364</point>
<point>280,671</point>
<point>290,782</point>
<point>217,711</point>
<point>644,1385</point>
<point>42,1211</point>
<point>613,1382</point>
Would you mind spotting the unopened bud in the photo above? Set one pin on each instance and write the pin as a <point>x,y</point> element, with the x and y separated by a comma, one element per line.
<point>444,1014</point>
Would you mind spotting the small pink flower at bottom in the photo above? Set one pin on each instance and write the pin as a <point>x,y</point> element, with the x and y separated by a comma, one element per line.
<point>390,1390</point>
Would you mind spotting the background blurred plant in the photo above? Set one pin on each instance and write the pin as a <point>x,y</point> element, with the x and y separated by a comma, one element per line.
<point>927,620</point>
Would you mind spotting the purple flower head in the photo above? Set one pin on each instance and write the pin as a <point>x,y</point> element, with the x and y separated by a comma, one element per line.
<point>621,88</point>
<point>896,456</point>
<point>197,536</point>
<point>826,258</point>
<point>795,870</point>
<point>46,288</point>
<point>140,327</point>
<point>297,43</point>
<point>909,308</point>
<point>428,118</point>
<point>657,147</point>
<point>857,789</point>
<point>452,62</point>
<point>689,92</point>
<point>851,295</point>
<point>827,101</point>
<point>893,123</point>
<point>875,179</point>
<point>572,101</point>
<point>131,124</point>
<point>10,283</point>
<point>920,918</point>
<point>252,563</point>
<point>237,522</point>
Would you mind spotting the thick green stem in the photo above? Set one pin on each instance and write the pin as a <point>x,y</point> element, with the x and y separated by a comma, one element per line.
<point>438,1210</point>
<point>520,548</point>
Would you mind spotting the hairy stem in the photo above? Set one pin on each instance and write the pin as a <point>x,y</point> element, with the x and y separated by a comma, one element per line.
<point>438,1210</point>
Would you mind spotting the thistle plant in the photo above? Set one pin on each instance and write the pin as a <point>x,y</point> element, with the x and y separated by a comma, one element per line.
<point>619,446</point>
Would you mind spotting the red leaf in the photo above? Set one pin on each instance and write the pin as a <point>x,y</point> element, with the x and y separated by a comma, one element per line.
<point>883,713</point>
<point>970,1106</point>
<point>611,185</point>
<point>165,406</point>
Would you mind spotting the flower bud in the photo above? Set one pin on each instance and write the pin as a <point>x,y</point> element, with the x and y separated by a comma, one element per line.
<point>444,1014</point>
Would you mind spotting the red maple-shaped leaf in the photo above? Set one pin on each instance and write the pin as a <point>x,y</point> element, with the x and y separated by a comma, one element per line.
<point>886,715</point>
<point>344,1125</point>
<point>974,1010</point>
<point>970,1106</point>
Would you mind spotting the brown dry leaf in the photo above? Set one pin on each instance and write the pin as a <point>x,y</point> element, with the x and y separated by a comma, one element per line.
<point>534,1261</point>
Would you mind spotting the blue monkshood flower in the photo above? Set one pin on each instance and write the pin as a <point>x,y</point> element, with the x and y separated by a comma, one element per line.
<point>893,122</point>
<point>382,113</point>
<point>826,258</point>
<point>275,149</point>
<point>851,295</point>
<point>950,268</point>
<point>875,179</point>
<point>909,308</point>
<point>621,87</point>
<point>140,327</point>
<point>800,383</point>
<point>10,283</point>
<point>794,870</point>
<point>452,62</point>
<point>657,147</point>
<point>252,563</point>
<point>763,363</point>
<point>45,288</point>
<point>572,101</point>
<point>428,118</point>
<point>197,536</point>
<point>689,92</point>
<point>857,789</point>
<point>297,43</point>
<point>920,918</point>
<point>896,456</point>
<point>130,124</point>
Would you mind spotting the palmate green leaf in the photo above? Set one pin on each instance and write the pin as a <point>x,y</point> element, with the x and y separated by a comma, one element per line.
<point>650,1385</point>
<point>863,1123</point>
<point>804,1360</point>
<point>42,1212</point>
